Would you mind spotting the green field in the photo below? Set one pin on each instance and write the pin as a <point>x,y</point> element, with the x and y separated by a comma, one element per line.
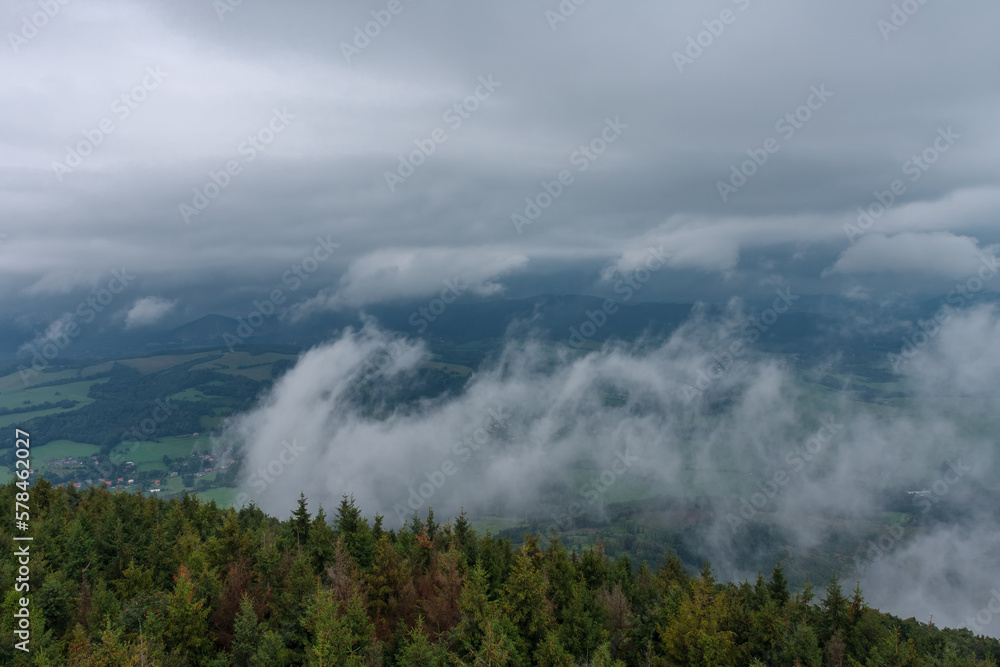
<point>452,369</point>
<point>254,366</point>
<point>25,397</point>
<point>189,394</point>
<point>20,418</point>
<point>15,394</point>
<point>149,365</point>
<point>223,496</point>
<point>59,450</point>
<point>152,451</point>
<point>13,382</point>
<point>493,524</point>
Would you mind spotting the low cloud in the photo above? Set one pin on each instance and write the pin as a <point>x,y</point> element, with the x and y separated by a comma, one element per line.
<point>395,274</point>
<point>935,254</point>
<point>146,311</point>
<point>538,430</point>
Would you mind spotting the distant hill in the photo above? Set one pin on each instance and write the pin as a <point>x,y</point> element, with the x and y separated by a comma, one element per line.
<point>812,324</point>
<point>208,330</point>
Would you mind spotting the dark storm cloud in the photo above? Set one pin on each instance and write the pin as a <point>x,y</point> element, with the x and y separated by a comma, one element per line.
<point>188,177</point>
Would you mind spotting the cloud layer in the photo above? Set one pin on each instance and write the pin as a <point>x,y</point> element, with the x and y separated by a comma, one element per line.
<point>691,416</point>
<point>175,104</point>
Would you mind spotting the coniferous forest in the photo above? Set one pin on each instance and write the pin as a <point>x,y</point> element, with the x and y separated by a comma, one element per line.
<point>121,579</point>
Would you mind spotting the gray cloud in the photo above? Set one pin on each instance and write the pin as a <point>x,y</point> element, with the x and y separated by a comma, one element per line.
<point>514,441</point>
<point>325,174</point>
<point>146,311</point>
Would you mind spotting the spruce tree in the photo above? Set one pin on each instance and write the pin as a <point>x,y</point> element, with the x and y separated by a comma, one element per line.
<point>778,587</point>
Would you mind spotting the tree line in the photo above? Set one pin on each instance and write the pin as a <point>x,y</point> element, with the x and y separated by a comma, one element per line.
<point>122,579</point>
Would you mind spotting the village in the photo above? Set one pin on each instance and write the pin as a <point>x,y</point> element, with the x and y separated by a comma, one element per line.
<point>198,471</point>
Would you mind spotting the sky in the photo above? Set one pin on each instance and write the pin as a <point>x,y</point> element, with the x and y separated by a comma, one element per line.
<point>188,157</point>
<point>206,147</point>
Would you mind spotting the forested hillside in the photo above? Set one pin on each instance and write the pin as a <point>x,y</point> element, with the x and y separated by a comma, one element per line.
<point>121,579</point>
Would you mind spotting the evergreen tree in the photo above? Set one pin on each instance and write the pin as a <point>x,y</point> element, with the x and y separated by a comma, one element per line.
<point>388,586</point>
<point>301,521</point>
<point>524,602</point>
<point>697,636</point>
<point>271,651</point>
<point>186,628</point>
<point>802,646</point>
<point>337,638</point>
<point>320,546</point>
<point>418,651</point>
<point>497,648</point>
<point>551,653</point>
<point>246,634</point>
<point>778,587</point>
<point>833,611</point>
<point>582,629</point>
<point>475,607</point>
<point>466,538</point>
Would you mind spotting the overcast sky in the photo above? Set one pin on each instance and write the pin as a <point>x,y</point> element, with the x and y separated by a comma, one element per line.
<point>161,94</point>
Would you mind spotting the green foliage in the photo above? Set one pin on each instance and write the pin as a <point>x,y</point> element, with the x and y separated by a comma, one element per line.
<point>186,627</point>
<point>246,634</point>
<point>333,637</point>
<point>128,580</point>
<point>778,587</point>
<point>419,651</point>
